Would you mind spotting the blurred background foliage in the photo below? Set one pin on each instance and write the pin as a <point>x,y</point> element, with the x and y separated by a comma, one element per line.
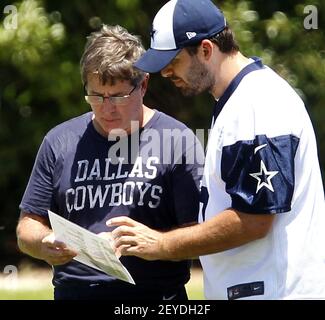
<point>40,82</point>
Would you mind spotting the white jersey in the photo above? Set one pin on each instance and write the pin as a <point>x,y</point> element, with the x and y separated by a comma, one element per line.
<point>261,159</point>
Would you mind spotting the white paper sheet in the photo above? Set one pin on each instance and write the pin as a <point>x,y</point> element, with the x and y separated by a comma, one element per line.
<point>93,250</point>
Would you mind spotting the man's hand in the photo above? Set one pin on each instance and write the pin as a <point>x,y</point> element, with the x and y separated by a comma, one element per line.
<point>55,252</point>
<point>132,238</point>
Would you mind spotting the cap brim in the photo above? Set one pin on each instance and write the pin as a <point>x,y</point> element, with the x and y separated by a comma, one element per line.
<point>155,60</point>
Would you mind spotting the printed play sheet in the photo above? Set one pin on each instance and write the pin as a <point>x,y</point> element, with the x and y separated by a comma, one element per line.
<point>93,250</point>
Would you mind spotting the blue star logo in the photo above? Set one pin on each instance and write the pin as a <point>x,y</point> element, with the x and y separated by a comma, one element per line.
<point>266,176</point>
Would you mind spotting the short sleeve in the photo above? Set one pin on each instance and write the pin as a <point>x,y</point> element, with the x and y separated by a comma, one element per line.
<point>259,174</point>
<point>39,191</point>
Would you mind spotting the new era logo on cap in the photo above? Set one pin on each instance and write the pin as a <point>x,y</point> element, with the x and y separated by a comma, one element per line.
<point>180,23</point>
<point>190,35</point>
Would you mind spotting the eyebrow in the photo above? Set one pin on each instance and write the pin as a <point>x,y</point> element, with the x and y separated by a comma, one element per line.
<point>100,94</point>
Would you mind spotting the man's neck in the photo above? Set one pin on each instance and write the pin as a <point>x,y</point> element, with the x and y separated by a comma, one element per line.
<point>229,67</point>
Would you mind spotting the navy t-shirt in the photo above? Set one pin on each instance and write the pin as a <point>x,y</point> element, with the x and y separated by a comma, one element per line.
<point>151,176</point>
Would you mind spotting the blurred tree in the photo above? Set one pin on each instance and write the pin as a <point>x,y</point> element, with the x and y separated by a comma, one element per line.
<point>40,82</point>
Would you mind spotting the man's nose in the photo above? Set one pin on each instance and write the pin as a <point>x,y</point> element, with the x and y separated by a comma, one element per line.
<point>108,105</point>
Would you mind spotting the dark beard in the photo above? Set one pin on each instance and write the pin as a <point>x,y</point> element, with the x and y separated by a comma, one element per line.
<point>199,78</point>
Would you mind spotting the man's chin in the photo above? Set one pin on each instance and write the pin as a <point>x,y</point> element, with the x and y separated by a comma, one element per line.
<point>188,92</point>
<point>117,132</point>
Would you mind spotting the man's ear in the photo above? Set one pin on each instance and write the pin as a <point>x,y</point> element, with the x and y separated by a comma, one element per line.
<point>206,49</point>
<point>144,84</point>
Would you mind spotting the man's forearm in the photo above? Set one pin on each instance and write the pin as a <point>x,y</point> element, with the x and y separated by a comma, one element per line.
<point>30,234</point>
<point>188,243</point>
<point>225,231</point>
<point>228,229</point>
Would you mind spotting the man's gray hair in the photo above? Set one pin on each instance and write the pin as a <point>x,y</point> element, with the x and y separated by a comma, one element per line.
<point>111,52</point>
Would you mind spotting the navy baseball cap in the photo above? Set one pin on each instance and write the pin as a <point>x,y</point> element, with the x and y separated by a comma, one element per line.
<point>178,24</point>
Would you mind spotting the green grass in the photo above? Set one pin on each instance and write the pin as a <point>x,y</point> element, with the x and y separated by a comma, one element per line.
<point>194,293</point>
<point>193,287</point>
<point>41,294</point>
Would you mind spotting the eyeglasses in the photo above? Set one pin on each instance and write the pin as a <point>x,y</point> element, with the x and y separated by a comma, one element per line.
<point>99,99</point>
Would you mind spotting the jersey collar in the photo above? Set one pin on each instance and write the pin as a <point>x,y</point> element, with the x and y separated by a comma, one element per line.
<point>256,65</point>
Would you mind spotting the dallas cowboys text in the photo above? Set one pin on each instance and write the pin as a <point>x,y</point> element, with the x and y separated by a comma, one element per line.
<point>119,193</point>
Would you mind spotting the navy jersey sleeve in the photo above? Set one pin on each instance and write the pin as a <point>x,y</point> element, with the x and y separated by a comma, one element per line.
<point>39,191</point>
<point>186,177</point>
<point>259,174</point>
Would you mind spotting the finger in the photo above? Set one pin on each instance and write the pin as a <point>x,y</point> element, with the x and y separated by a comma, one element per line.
<point>49,238</point>
<point>58,248</point>
<point>123,220</point>
<point>127,250</point>
<point>122,231</point>
<point>125,241</point>
<point>118,252</point>
<point>62,260</point>
<point>70,252</point>
<point>51,242</point>
<point>58,260</point>
<point>60,244</point>
<point>59,252</point>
